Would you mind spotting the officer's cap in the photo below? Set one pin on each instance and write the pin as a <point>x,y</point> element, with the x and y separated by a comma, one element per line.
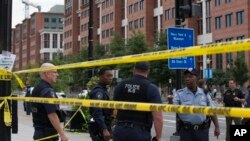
<point>192,71</point>
<point>144,66</point>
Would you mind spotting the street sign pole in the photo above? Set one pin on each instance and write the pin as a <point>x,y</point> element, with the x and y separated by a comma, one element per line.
<point>5,44</point>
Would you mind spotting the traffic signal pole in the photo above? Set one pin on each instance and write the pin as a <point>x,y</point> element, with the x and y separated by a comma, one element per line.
<point>5,44</point>
<point>90,37</point>
<point>178,71</point>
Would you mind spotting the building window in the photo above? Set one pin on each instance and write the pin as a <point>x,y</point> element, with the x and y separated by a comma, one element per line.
<point>167,14</point>
<point>229,56</point>
<point>229,20</point>
<point>173,13</point>
<point>54,40</point>
<point>107,18</point>
<point>46,40</point>
<point>46,56</point>
<point>61,40</point>
<point>107,3</point>
<point>130,9</point>
<point>103,5</point>
<point>111,16</point>
<point>208,8</point>
<point>217,2</point>
<point>46,20</point>
<point>111,2</point>
<point>218,57</point>
<point>240,17</point>
<point>142,22</point>
<point>241,53</point>
<point>111,31</point>
<point>130,25</point>
<point>240,37</point>
<point>141,4</point>
<point>209,25</point>
<point>53,20</point>
<point>227,1</point>
<point>218,22</point>
<point>136,24</point>
<point>103,19</point>
<point>107,33</point>
<point>103,34</point>
<point>136,7</point>
<point>218,61</point>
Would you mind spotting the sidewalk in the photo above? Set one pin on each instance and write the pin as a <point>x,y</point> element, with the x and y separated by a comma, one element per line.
<point>26,130</point>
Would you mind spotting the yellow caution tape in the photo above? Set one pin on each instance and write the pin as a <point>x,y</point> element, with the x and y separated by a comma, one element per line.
<point>242,45</point>
<point>5,75</point>
<point>45,138</point>
<point>19,81</point>
<point>1,104</point>
<point>232,112</point>
<point>7,114</point>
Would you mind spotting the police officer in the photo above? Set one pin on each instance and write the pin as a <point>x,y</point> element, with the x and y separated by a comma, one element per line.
<point>28,92</point>
<point>100,123</point>
<point>45,118</point>
<point>194,127</point>
<point>233,97</point>
<point>136,125</point>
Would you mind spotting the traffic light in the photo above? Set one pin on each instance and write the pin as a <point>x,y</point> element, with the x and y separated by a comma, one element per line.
<point>183,9</point>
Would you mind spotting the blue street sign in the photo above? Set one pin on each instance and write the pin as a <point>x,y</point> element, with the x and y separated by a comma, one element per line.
<point>180,38</point>
<point>208,73</point>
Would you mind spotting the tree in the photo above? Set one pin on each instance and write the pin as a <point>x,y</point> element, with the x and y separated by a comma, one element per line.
<point>99,51</point>
<point>160,73</point>
<point>240,70</point>
<point>221,77</point>
<point>137,43</point>
<point>117,46</point>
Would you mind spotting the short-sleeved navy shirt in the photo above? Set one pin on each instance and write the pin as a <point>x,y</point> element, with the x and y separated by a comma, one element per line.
<point>229,98</point>
<point>40,111</point>
<point>153,94</point>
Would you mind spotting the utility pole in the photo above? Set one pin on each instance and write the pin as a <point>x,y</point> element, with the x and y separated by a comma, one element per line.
<point>90,37</point>
<point>183,9</point>
<point>204,32</point>
<point>5,44</point>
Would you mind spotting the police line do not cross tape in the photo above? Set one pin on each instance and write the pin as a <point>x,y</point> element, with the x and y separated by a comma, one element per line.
<point>234,46</point>
<point>232,112</point>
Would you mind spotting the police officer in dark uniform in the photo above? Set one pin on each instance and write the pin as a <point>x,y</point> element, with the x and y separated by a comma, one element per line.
<point>45,116</point>
<point>233,97</point>
<point>100,123</point>
<point>136,125</point>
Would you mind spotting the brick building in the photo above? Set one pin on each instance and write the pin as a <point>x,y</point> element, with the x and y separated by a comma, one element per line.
<point>39,38</point>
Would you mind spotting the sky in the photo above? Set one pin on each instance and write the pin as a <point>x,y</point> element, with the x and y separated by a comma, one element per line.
<point>18,12</point>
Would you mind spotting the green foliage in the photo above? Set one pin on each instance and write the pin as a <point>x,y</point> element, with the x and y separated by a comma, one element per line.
<point>99,51</point>
<point>161,41</point>
<point>221,77</point>
<point>137,43</point>
<point>159,72</point>
<point>117,46</point>
<point>92,83</point>
<point>240,71</point>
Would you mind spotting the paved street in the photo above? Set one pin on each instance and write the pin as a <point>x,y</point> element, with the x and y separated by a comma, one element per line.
<point>25,130</point>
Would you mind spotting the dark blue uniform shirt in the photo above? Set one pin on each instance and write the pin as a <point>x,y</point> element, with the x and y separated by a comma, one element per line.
<point>40,111</point>
<point>101,116</point>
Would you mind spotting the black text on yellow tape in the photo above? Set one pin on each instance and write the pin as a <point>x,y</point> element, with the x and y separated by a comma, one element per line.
<point>232,112</point>
<point>5,75</point>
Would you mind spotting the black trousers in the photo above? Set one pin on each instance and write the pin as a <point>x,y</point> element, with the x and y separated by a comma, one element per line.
<point>45,132</point>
